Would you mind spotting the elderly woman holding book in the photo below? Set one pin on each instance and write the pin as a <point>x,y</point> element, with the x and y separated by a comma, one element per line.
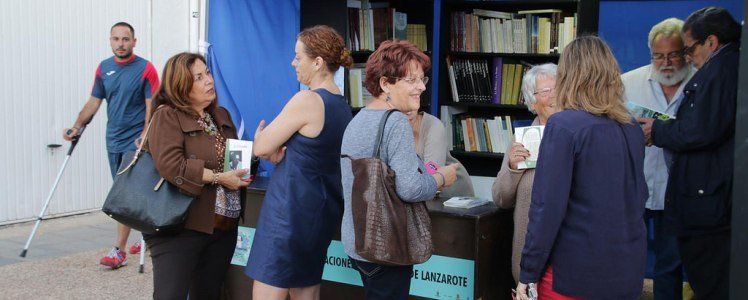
<point>513,186</point>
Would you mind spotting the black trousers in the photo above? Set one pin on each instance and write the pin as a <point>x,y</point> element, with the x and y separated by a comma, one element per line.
<point>706,259</point>
<point>384,282</point>
<point>190,262</point>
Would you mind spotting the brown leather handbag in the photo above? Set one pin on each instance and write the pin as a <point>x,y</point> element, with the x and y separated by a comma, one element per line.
<point>388,230</point>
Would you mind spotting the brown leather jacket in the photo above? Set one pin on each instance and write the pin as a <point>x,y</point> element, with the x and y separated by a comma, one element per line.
<point>180,150</point>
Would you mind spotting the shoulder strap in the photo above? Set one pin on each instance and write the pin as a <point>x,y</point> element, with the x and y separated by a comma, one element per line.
<point>380,133</point>
<point>140,149</point>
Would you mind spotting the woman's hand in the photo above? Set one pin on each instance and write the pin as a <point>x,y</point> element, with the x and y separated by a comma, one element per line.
<point>517,154</point>
<point>450,174</point>
<point>260,128</point>
<point>522,292</point>
<point>276,157</point>
<point>233,179</point>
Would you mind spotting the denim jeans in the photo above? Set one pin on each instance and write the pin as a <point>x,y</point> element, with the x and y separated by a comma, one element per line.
<point>384,282</point>
<point>668,272</point>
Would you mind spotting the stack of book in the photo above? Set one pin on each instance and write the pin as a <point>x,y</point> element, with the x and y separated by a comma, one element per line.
<point>477,134</point>
<point>477,81</point>
<point>529,31</point>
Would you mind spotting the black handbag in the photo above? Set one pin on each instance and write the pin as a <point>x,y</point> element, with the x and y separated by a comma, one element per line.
<point>141,199</point>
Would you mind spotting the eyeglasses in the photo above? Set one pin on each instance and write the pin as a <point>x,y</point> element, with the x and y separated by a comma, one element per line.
<point>544,92</point>
<point>672,56</point>
<point>689,49</point>
<point>413,80</point>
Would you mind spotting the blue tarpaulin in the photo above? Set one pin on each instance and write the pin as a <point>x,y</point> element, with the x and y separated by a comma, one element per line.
<point>250,53</point>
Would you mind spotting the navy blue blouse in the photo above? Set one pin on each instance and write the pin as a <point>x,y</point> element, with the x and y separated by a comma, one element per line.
<point>586,215</point>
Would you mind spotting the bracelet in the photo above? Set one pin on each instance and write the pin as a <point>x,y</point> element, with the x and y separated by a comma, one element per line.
<point>444,181</point>
<point>215,179</point>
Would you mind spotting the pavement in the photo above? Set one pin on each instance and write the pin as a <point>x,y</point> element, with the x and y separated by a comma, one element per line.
<point>63,261</point>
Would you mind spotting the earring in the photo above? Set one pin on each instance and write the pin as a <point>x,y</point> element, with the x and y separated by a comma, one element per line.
<point>388,99</point>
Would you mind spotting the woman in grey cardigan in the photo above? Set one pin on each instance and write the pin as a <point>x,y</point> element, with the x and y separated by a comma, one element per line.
<point>431,146</point>
<point>513,187</point>
<point>395,77</point>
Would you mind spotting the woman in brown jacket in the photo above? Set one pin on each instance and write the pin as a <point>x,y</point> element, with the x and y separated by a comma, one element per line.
<point>187,141</point>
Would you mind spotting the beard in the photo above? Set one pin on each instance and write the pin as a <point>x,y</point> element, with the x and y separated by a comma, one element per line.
<point>670,79</point>
<point>126,55</point>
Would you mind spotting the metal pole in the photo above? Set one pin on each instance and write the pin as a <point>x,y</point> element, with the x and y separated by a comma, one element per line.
<point>73,143</point>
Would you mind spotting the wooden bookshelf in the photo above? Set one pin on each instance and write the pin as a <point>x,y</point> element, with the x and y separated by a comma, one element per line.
<point>488,163</point>
<point>335,14</point>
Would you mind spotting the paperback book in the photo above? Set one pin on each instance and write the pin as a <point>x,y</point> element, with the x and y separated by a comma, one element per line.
<point>238,156</point>
<point>529,137</point>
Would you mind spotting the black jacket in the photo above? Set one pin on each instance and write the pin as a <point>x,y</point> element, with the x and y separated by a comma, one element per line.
<point>702,142</point>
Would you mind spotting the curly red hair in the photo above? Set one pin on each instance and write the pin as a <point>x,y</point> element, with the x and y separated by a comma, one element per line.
<point>392,59</point>
<point>323,41</point>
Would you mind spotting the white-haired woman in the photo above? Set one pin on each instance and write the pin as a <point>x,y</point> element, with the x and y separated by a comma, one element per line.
<point>513,187</point>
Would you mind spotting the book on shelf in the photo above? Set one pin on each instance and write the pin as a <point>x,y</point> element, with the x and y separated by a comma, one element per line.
<point>417,35</point>
<point>541,31</point>
<point>238,155</point>
<point>641,111</point>
<point>371,23</point>
<point>480,134</point>
<point>529,137</point>
<point>496,81</point>
<point>359,95</point>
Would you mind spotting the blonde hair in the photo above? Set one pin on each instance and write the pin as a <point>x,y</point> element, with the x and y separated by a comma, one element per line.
<point>589,79</point>
<point>668,28</point>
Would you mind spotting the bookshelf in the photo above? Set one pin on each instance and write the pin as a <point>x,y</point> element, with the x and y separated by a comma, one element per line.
<point>478,49</point>
<point>345,16</point>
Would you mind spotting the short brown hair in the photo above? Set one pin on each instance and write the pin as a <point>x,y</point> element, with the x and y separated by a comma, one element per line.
<point>323,41</point>
<point>392,59</point>
<point>589,79</point>
<point>176,83</point>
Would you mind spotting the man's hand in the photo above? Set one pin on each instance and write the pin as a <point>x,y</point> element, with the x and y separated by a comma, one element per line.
<point>69,133</point>
<point>646,124</point>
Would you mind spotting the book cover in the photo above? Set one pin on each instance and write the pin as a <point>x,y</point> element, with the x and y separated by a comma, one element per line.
<point>529,137</point>
<point>465,202</point>
<point>400,25</point>
<point>640,111</point>
<point>238,155</point>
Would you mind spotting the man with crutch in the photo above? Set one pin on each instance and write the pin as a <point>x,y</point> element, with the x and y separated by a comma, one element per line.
<point>127,82</point>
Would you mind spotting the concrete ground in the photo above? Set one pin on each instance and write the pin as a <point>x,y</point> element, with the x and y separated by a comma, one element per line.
<point>63,262</point>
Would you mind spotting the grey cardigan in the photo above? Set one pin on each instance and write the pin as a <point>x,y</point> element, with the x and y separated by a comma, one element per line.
<point>432,146</point>
<point>513,188</point>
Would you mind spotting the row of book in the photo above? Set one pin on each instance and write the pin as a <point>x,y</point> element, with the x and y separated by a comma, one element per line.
<point>530,31</point>
<point>370,23</point>
<point>477,81</point>
<point>359,95</point>
<point>417,35</point>
<point>484,134</point>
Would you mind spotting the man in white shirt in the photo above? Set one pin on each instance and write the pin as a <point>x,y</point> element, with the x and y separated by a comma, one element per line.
<point>659,87</point>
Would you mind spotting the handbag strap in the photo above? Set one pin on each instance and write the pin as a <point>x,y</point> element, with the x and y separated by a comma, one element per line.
<point>140,149</point>
<point>380,133</point>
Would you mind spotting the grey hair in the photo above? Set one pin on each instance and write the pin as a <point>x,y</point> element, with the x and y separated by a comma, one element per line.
<point>669,27</point>
<point>528,82</point>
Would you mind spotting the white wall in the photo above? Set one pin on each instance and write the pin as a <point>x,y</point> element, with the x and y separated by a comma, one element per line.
<point>50,50</point>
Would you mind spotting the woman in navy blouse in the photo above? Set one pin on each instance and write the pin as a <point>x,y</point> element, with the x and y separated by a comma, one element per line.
<point>586,236</point>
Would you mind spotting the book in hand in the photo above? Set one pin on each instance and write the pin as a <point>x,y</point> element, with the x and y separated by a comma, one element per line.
<point>238,156</point>
<point>639,111</point>
<point>465,202</point>
<point>529,137</point>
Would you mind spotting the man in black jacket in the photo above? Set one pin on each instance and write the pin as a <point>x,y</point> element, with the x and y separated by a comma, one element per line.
<point>700,147</point>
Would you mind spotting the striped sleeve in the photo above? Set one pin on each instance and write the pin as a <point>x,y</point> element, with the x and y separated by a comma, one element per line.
<point>98,86</point>
<point>150,80</point>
